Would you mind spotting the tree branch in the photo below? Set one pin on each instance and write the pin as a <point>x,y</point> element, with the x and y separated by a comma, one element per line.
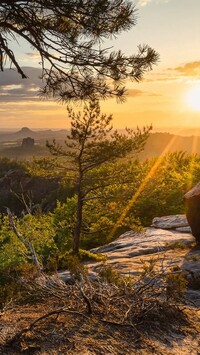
<point>27,244</point>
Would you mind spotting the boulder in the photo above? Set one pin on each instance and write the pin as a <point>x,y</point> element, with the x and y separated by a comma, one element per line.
<point>131,252</point>
<point>149,242</point>
<point>171,222</point>
<point>192,203</point>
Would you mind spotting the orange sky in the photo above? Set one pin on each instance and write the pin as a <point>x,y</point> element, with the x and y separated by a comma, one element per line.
<point>167,97</point>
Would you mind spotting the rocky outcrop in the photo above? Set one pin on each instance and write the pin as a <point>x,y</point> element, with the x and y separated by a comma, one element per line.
<point>126,252</point>
<point>169,249</point>
<point>28,142</point>
<point>178,222</point>
<point>192,202</point>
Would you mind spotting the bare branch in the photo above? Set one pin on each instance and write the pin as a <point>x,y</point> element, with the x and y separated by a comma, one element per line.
<point>27,244</point>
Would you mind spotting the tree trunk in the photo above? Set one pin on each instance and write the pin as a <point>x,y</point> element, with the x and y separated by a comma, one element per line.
<point>77,229</point>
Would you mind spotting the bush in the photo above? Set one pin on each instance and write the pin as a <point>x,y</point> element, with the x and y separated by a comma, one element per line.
<point>110,275</point>
<point>176,284</point>
<point>37,230</point>
<point>12,281</point>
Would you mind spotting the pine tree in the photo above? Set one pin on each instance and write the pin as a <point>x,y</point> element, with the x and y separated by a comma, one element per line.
<point>91,144</point>
<point>68,36</point>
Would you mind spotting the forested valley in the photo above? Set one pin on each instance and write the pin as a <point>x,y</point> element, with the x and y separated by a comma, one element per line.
<point>83,270</point>
<point>129,193</point>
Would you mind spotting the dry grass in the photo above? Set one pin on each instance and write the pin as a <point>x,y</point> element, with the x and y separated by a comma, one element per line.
<point>99,318</point>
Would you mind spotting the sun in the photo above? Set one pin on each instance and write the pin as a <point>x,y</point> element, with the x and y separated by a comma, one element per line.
<point>193,98</point>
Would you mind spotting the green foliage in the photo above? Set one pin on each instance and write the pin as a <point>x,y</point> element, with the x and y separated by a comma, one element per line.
<point>102,218</point>
<point>46,167</point>
<point>163,191</point>
<point>108,210</point>
<point>176,285</point>
<point>164,182</point>
<point>149,267</point>
<point>38,230</point>
<point>15,259</point>
<point>64,260</point>
<point>92,144</point>
<point>73,264</point>
<point>114,184</point>
<point>12,280</point>
<point>7,164</point>
<point>85,255</point>
<point>12,252</point>
<point>110,275</point>
<point>178,245</point>
<point>64,221</point>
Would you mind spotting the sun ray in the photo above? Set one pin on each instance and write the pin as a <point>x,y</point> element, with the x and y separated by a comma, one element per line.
<point>192,162</point>
<point>143,184</point>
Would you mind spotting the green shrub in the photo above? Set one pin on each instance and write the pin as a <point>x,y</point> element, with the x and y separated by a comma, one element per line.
<point>64,221</point>
<point>86,255</point>
<point>110,275</point>
<point>178,245</point>
<point>13,280</point>
<point>176,284</point>
<point>73,264</point>
<point>37,230</point>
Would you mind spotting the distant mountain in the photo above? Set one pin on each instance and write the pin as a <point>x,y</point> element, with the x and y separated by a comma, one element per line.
<point>24,130</point>
<point>159,143</point>
<point>37,135</point>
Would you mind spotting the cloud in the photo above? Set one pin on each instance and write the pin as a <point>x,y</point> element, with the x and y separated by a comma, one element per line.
<point>133,92</point>
<point>144,2</point>
<point>188,69</point>
<point>147,2</point>
<point>13,88</point>
<point>136,93</point>
<point>33,57</point>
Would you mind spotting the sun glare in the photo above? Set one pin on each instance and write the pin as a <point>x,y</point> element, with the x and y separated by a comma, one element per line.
<point>193,98</point>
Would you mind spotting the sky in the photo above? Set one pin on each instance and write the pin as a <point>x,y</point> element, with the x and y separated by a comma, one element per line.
<point>168,97</point>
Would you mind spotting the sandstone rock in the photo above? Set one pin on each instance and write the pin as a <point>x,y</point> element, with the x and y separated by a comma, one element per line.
<point>170,222</point>
<point>28,142</point>
<point>184,229</point>
<point>192,202</point>
<point>132,250</point>
<point>194,192</point>
<point>66,276</point>
<point>193,296</point>
<point>151,241</point>
<point>171,250</point>
<point>191,266</point>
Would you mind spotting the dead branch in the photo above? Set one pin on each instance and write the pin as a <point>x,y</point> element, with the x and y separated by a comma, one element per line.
<point>27,244</point>
<point>86,299</point>
<point>56,312</point>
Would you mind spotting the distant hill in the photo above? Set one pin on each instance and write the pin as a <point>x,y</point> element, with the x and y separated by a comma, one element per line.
<point>11,143</point>
<point>37,135</point>
<point>159,143</point>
